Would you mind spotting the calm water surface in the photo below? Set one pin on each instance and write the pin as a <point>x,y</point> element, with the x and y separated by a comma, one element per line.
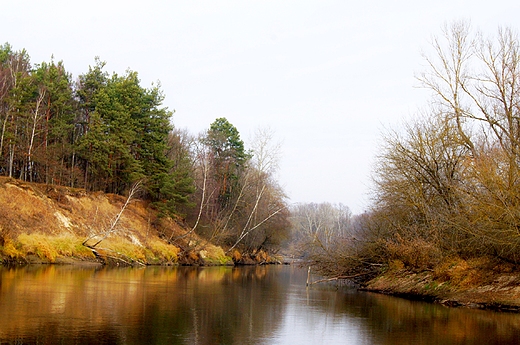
<point>222,305</point>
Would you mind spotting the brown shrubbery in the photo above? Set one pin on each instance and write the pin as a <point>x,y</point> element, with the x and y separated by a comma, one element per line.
<point>415,254</point>
<point>447,185</point>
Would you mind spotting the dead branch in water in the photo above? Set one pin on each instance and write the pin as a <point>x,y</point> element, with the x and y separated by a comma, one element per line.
<point>338,278</point>
<point>112,228</point>
<point>119,258</point>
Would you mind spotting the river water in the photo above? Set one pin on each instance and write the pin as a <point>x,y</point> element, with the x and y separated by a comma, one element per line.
<point>223,305</point>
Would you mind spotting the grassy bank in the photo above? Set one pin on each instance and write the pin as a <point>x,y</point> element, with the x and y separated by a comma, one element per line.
<point>486,283</point>
<point>68,248</point>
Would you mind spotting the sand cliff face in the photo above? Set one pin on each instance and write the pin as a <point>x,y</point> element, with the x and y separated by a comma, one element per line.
<point>33,208</point>
<point>36,214</point>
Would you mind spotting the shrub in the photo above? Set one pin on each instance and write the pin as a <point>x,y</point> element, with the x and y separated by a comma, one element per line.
<point>236,256</point>
<point>414,254</point>
<point>461,273</point>
<point>216,255</point>
<point>9,251</point>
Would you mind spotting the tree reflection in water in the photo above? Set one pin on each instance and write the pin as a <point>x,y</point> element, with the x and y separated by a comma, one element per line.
<point>222,305</point>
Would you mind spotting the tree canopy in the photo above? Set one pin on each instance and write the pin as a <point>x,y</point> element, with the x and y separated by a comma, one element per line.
<point>449,183</point>
<point>102,132</point>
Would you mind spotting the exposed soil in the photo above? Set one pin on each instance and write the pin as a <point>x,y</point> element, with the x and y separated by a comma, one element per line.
<point>37,220</point>
<point>478,283</point>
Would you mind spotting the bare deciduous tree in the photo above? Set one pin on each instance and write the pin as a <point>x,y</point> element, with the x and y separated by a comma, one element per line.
<point>451,181</point>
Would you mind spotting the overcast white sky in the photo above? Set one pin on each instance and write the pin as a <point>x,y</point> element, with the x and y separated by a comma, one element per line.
<point>325,76</point>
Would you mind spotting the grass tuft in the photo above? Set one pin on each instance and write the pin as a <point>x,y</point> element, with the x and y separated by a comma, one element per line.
<point>161,252</point>
<point>10,251</point>
<point>45,247</point>
<point>216,256</point>
<point>125,249</point>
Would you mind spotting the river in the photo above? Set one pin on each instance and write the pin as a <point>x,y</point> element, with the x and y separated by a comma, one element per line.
<point>52,304</point>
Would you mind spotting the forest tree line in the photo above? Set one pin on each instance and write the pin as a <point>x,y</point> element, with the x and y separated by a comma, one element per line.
<point>446,184</point>
<point>105,132</point>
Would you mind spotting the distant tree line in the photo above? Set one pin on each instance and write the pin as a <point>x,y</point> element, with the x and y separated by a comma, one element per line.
<point>104,132</point>
<point>318,227</point>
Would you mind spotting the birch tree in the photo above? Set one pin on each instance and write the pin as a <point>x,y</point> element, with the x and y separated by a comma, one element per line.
<point>240,203</point>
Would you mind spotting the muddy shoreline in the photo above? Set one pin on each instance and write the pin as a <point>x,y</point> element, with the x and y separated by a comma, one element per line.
<point>500,292</point>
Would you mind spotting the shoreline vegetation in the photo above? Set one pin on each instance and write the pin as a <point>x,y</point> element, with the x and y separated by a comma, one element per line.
<point>102,164</point>
<point>50,224</point>
<point>480,283</point>
<point>444,222</point>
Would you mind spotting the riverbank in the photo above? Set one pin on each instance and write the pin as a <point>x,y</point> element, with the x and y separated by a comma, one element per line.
<point>483,283</point>
<point>42,224</point>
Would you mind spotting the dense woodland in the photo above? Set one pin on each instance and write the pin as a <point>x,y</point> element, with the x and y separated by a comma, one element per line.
<point>105,132</point>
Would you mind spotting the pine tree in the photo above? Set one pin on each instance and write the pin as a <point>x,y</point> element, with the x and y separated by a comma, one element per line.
<point>229,157</point>
<point>55,150</point>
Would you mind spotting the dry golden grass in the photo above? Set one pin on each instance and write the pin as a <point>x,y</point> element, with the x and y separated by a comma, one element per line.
<point>39,245</point>
<point>46,247</point>
<point>124,249</point>
<point>23,209</point>
<point>156,251</point>
<point>395,265</point>
<point>237,256</point>
<point>216,255</point>
<point>462,273</point>
<point>10,251</point>
<point>160,251</point>
<point>71,246</point>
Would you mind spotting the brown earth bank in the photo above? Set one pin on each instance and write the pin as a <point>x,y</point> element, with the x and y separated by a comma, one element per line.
<point>53,224</point>
<point>485,283</point>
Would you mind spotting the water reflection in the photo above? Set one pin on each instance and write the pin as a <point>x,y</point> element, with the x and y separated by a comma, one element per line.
<point>351,317</point>
<point>222,305</point>
<point>218,305</point>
